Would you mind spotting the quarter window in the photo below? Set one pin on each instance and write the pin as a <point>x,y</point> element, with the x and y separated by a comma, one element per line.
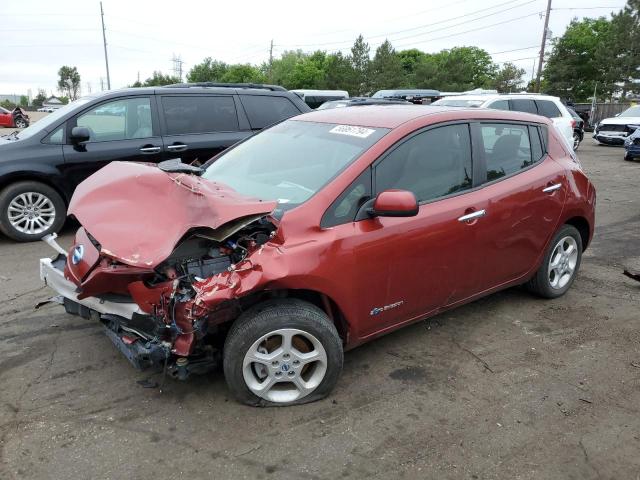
<point>507,149</point>
<point>118,120</point>
<point>199,114</point>
<point>431,164</point>
<point>263,110</point>
<point>346,206</point>
<point>500,105</point>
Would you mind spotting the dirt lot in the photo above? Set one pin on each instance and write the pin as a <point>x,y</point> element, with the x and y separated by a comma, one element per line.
<point>509,387</point>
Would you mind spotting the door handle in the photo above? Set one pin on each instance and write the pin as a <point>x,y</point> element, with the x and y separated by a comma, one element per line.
<point>472,216</point>
<point>180,147</point>
<point>149,150</point>
<point>552,188</point>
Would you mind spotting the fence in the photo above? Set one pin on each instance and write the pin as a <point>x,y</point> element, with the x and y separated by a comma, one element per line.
<point>603,110</point>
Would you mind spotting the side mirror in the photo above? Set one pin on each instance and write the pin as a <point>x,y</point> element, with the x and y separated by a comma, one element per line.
<point>80,134</point>
<point>395,203</point>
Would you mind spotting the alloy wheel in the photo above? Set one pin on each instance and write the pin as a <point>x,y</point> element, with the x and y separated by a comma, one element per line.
<point>562,263</point>
<point>31,213</point>
<point>284,365</point>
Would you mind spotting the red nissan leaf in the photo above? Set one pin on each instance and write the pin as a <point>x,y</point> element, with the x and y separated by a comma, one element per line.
<point>318,234</point>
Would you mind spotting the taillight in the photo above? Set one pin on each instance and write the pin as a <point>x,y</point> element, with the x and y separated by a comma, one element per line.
<point>573,124</point>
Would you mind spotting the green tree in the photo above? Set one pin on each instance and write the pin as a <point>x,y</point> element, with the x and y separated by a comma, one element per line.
<point>457,70</point>
<point>509,78</point>
<point>339,73</point>
<point>386,68</point>
<point>69,81</point>
<point>361,64</point>
<point>309,71</point>
<point>410,59</point>
<point>577,62</point>
<point>208,70</point>
<point>40,98</point>
<point>8,104</point>
<point>24,101</point>
<point>158,79</point>
<point>243,73</point>
<point>282,68</point>
<point>622,54</point>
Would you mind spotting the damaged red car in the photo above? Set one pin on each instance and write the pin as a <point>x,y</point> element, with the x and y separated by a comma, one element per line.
<point>318,234</point>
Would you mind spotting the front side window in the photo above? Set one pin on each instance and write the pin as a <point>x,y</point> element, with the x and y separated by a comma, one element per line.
<point>431,164</point>
<point>199,114</point>
<point>507,148</point>
<point>291,161</point>
<point>124,119</point>
<point>265,110</point>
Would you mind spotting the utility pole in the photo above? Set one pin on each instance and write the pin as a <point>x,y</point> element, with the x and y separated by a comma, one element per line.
<point>544,41</point>
<point>104,41</point>
<point>102,84</point>
<point>177,66</point>
<point>271,62</point>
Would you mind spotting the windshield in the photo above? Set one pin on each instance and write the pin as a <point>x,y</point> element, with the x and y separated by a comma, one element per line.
<point>52,118</point>
<point>631,112</point>
<point>291,161</point>
<point>458,102</point>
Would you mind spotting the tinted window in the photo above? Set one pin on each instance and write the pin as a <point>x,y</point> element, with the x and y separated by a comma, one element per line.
<point>500,105</point>
<point>524,105</point>
<point>548,109</point>
<point>430,164</point>
<point>199,114</point>
<point>346,206</point>
<point>118,120</point>
<point>263,111</point>
<point>57,136</point>
<point>537,150</point>
<point>507,149</point>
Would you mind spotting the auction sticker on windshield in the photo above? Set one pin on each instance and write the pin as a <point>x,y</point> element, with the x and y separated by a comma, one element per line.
<point>352,131</point>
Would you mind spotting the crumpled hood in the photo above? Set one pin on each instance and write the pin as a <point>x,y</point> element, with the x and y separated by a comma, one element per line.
<point>138,213</point>
<point>620,121</point>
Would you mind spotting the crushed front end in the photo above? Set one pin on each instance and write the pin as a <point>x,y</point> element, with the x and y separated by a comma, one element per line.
<point>163,307</point>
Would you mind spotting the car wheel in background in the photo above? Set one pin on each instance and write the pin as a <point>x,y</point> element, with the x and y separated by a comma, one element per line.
<point>576,141</point>
<point>30,210</point>
<point>282,352</point>
<point>628,158</point>
<point>20,122</point>
<point>560,264</point>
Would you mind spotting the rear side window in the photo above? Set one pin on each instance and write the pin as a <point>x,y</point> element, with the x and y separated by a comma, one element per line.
<point>199,114</point>
<point>431,164</point>
<point>523,105</point>
<point>265,110</point>
<point>548,109</point>
<point>507,149</point>
<point>500,105</point>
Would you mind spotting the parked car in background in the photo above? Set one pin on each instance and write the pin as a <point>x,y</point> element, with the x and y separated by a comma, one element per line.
<point>614,130</point>
<point>315,98</point>
<point>46,109</point>
<point>545,105</point>
<point>319,234</point>
<point>632,145</point>
<point>41,165</point>
<point>578,129</point>
<point>16,118</point>
<point>418,96</point>
<point>360,101</point>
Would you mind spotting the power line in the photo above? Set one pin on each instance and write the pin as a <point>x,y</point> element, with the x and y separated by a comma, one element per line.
<point>389,34</point>
<point>514,50</point>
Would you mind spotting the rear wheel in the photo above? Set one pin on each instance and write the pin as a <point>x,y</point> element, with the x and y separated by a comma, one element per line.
<point>560,264</point>
<point>576,141</point>
<point>30,210</point>
<point>282,352</point>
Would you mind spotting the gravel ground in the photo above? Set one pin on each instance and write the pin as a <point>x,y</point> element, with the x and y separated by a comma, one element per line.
<point>509,387</point>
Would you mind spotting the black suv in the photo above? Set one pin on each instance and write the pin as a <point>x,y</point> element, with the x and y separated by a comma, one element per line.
<point>41,166</point>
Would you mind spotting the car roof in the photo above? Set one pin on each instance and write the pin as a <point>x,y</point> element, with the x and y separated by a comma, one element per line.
<point>392,116</point>
<point>498,96</point>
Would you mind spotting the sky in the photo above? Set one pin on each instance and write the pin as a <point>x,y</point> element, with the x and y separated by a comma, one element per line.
<point>37,37</point>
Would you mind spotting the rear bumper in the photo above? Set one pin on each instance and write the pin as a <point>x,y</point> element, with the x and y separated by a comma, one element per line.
<point>52,275</point>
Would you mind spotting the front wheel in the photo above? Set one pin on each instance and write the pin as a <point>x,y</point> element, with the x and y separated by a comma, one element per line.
<point>282,352</point>
<point>30,210</point>
<point>21,123</point>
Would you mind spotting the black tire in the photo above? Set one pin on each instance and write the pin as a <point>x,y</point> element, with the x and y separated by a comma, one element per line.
<point>540,284</point>
<point>628,158</point>
<point>20,122</point>
<point>268,317</point>
<point>14,190</point>
<point>576,141</point>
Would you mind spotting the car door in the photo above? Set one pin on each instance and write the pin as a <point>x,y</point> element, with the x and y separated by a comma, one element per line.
<point>123,129</point>
<point>411,266</point>
<point>197,127</point>
<point>6,119</point>
<point>523,198</point>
